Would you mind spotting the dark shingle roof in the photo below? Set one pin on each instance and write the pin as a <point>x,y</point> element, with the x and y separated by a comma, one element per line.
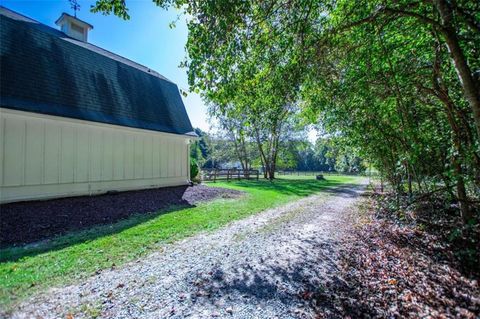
<point>44,71</point>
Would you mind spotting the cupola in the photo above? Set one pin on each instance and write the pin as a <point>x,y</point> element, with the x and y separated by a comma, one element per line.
<point>74,27</point>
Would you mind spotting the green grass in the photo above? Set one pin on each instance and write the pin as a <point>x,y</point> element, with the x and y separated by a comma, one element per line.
<point>65,259</point>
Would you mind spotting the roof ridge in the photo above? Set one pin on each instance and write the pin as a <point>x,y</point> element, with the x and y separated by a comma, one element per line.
<point>89,46</point>
<point>20,14</point>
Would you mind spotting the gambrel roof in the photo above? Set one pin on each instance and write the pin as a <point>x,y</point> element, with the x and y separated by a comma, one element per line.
<point>45,71</point>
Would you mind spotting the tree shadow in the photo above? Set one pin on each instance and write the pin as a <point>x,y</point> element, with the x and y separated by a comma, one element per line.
<point>30,228</point>
<point>31,221</point>
<point>34,227</point>
<point>309,280</point>
<point>305,275</point>
<point>302,187</point>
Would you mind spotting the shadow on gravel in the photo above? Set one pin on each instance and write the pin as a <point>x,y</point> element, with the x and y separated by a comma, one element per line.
<point>346,191</point>
<point>302,277</point>
<point>302,284</point>
<point>84,218</point>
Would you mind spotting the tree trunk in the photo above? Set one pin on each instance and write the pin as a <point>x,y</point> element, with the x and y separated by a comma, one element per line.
<point>470,89</point>
<point>456,162</point>
<point>271,173</point>
<point>409,178</point>
<point>462,193</point>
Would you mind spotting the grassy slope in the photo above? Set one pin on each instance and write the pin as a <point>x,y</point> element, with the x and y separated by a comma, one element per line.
<point>24,270</point>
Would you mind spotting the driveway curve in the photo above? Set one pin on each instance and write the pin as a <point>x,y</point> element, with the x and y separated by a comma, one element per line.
<point>275,264</point>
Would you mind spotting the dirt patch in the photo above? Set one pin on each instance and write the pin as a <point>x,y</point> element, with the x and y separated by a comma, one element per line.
<point>26,222</point>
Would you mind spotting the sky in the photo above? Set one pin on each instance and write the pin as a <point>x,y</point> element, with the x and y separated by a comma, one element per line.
<point>146,39</point>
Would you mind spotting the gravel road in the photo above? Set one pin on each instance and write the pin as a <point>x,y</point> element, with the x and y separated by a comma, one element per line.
<point>275,264</point>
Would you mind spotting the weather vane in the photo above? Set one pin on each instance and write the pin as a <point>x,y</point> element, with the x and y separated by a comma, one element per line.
<point>75,6</point>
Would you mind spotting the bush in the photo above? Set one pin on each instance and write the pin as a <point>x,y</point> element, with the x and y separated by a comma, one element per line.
<point>193,169</point>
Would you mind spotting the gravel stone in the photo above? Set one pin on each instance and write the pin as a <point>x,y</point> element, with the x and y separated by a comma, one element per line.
<point>269,265</point>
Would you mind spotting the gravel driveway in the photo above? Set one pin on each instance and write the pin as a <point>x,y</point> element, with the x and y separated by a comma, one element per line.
<point>276,264</point>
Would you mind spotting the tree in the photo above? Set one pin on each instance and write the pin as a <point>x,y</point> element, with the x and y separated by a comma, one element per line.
<point>199,149</point>
<point>394,79</point>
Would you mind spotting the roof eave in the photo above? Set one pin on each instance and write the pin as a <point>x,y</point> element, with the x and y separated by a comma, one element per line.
<point>192,135</point>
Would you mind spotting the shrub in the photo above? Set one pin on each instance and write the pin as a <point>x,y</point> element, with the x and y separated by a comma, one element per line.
<point>193,169</point>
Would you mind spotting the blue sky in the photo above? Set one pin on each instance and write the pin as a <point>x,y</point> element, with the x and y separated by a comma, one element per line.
<point>146,38</point>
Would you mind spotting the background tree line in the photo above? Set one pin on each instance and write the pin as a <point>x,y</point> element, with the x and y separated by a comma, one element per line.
<point>219,151</point>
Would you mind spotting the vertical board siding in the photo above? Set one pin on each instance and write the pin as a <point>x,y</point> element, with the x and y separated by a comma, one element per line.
<point>184,160</point>
<point>82,155</point>
<point>34,153</point>
<point>118,157</point>
<point>107,163</point>
<point>156,157</point>
<point>171,159</point>
<point>138,159</point>
<point>52,150</point>
<point>96,155</point>
<point>163,158</point>
<point>147,157</point>
<point>13,143</point>
<point>44,151</point>
<point>129,156</point>
<point>67,156</point>
<point>178,159</point>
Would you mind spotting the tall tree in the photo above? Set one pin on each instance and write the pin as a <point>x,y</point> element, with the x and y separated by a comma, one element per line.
<point>375,73</point>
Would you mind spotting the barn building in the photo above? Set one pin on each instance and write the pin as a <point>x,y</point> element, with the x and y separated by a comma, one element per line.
<point>76,119</point>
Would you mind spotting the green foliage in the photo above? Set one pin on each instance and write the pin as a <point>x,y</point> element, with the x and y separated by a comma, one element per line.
<point>199,149</point>
<point>397,81</point>
<point>326,155</point>
<point>116,7</point>
<point>465,241</point>
<point>193,169</point>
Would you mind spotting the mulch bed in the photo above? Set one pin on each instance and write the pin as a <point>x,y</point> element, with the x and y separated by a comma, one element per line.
<point>398,270</point>
<point>27,222</point>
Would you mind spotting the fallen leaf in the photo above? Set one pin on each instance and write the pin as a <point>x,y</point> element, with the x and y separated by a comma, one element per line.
<point>392,281</point>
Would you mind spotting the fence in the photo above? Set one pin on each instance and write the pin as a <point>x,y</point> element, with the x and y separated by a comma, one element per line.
<point>230,174</point>
<point>326,173</point>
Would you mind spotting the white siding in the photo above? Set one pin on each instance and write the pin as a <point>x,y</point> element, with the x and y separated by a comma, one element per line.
<point>13,151</point>
<point>82,155</point>
<point>34,157</point>
<point>44,157</point>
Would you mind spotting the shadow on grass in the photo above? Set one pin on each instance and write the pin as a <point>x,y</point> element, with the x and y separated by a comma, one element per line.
<point>14,253</point>
<point>297,187</point>
<point>33,221</point>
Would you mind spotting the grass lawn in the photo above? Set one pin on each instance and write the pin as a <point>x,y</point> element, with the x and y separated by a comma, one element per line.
<point>65,259</point>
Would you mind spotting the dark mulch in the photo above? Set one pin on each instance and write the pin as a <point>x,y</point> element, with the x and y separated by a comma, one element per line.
<point>26,222</point>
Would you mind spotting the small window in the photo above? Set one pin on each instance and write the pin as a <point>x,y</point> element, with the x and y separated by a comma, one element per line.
<point>77,28</point>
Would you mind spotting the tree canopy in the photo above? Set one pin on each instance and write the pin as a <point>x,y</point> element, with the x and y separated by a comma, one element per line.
<point>397,80</point>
